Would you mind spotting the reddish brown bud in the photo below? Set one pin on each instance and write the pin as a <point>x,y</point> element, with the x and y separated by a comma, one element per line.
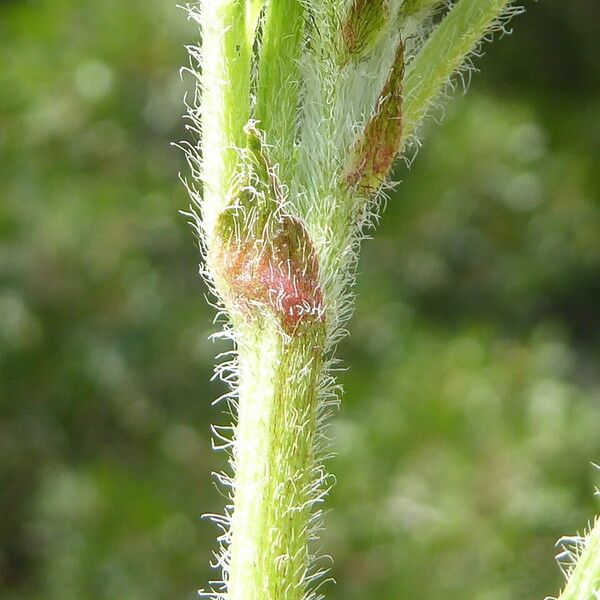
<point>263,257</point>
<point>377,146</point>
<point>277,270</point>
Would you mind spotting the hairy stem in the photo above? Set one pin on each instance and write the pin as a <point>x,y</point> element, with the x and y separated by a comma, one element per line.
<point>303,106</point>
<point>253,8</point>
<point>277,414</point>
<point>584,579</point>
<point>445,50</point>
<point>225,82</point>
<point>278,90</point>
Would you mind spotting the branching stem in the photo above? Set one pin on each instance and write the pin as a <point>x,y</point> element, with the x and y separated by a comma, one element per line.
<point>302,106</point>
<point>444,52</point>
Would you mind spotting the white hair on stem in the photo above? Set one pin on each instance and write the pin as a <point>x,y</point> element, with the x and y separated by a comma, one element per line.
<point>300,108</point>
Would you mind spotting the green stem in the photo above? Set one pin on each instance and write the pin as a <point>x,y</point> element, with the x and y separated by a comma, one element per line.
<point>225,80</point>
<point>278,90</point>
<point>281,262</point>
<point>274,456</point>
<point>253,8</point>
<point>414,7</point>
<point>445,50</point>
<point>584,580</point>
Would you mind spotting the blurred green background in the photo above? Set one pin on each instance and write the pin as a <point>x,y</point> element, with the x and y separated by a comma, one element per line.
<point>472,405</point>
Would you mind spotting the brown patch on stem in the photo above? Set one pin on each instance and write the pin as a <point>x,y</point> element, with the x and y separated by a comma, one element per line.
<point>262,256</point>
<point>378,145</point>
<point>277,270</point>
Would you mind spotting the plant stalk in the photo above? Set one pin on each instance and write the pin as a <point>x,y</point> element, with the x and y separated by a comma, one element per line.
<point>584,579</point>
<point>302,107</point>
<point>274,458</point>
<point>225,85</point>
<point>445,52</point>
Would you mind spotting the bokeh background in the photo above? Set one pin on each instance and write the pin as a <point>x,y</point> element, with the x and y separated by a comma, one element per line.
<point>472,405</point>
